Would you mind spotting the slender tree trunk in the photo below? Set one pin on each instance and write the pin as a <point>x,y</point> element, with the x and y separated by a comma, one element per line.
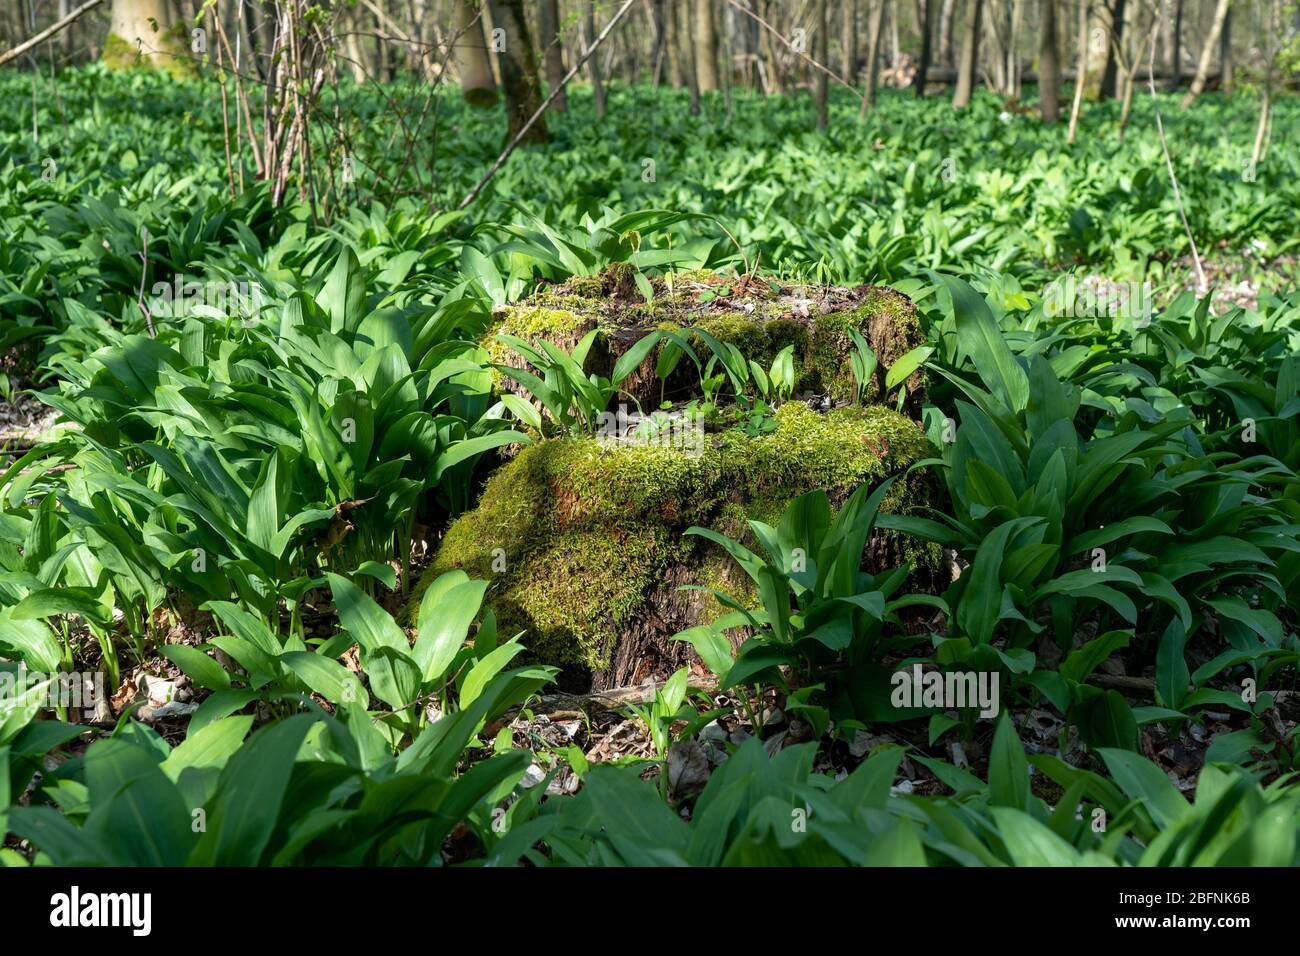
<point>549,35</point>
<point>1265,118</point>
<point>706,47</point>
<point>1081,73</point>
<point>969,56</point>
<point>1013,59</point>
<point>692,71</point>
<point>356,60</point>
<point>929,15</point>
<point>470,56</point>
<point>1113,20</point>
<point>1098,51</point>
<point>877,16</point>
<point>1049,65</point>
<point>946,15</point>
<point>593,63</point>
<point>660,51</point>
<point>780,78</point>
<point>1207,50</point>
<point>254,29</point>
<point>1272,46</point>
<point>631,59</point>
<point>678,61</point>
<point>820,47</point>
<point>1176,53</point>
<point>849,41</point>
<point>895,50</point>
<point>726,59</point>
<point>65,7</point>
<point>519,74</point>
<point>998,15</point>
<point>1225,54</point>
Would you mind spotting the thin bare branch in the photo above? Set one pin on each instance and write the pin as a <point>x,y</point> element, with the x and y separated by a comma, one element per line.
<point>48,32</point>
<point>523,130</point>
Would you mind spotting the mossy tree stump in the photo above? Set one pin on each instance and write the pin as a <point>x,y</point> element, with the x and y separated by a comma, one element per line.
<point>584,548</point>
<point>583,540</point>
<point>757,316</point>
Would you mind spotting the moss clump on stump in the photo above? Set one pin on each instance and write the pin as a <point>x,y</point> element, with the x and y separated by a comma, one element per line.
<point>758,317</point>
<point>583,543</point>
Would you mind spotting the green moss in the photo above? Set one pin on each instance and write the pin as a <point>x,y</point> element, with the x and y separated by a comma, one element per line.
<point>719,572</point>
<point>884,318</point>
<point>573,535</point>
<point>536,322</point>
<point>118,54</point>
<point>562,327</point>
<point>743,331</point>
<point>171,55</point>
<point>837,451</point>
<point>580,592</point>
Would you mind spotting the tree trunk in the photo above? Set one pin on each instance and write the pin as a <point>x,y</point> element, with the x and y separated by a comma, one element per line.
<point>1049,66</point>
<point>255,31</point>
<point>969,56</point>
<point>1176,56</point>
<point>693,69</point>
<point>1265,117</point>
<point>519,74</point>
<point>383,58</point>
<point>1081,72</point>
<point>1274,31</point>
<point>946,16</point>
<point>849,41</point>
<point>1013,60</point>
<point>726,60</point>
<point>1113,20</point>
<point>706,47</point>
<point>819,55</point>
<point>145,33</point>
<point>1225,54</point>
<point>356,61</point>
<point>549,36</point>
<point>660,50</point>
<point>780,78</point>
<point>929,14</point>
<point>593,62</point>
<point>1207,50</point>
<point>677,58</point>
<point>873,54</point>
<point>65,7</point>
<point>469,54</point>
<point>1098,51</point>
<point>895,48</point>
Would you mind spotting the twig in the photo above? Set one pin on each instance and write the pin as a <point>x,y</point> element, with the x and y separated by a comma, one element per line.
<point>523,130</point>
<point>776,33</point>
<point>48,32</point>
<point>1202,286</point>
